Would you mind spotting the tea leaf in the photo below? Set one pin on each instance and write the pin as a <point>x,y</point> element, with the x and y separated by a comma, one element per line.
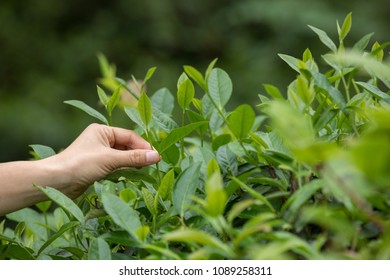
<point>102,96</point>
<point>324,38</point>
<point>227,160</point>
<point>291,61</point>
<point>148,75</point>
<point>196,76</point>
<point>149,201</point>
<point>197,236</point>
<point>241,121</point>
<point>375,91</point>
<point>177,134</point>
<point>184,189</point>
<point>64,228</point>
<point>127,195</point>
<point>253,193</point>
<point>273,91</point>
<point>42,151</point>
<point>346,27</point>
<point>165,189</point>
<point>220,87</point>
<point>163,100</point>
<point>210,67</point>
<point>99,250</point>
<point>134,115</point>
<point>322,82</point>
<point>114,99</point>
<point>362,43</point>
<point>65,202</point>
<point>215,195</point>
<point>145,109</point>
<point>185,94</point>
<point>122,215</point>
<point>87,109</point>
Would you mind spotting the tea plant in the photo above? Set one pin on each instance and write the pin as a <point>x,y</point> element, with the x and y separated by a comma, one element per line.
<point>303,175</point>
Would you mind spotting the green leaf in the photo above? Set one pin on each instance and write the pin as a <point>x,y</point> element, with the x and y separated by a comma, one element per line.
<point>273,91</point>
<point>122,215</point>
<point>177,134</point>
<point>163,120</point>
<point>185,187</point>
<point>216,197</point>
<point>220,87</point>
<point>209,68</point>
<point>195,75</point>
<point>185,94</point>
<point>375,91</point>
<point>321,81</point>
<point>65,202</point>
<point>145,109</point>
<point>324,38</point>
<point>133,114</point>
<point>99,250</point>
<point>44,206</point>
<point>127,195</point>
<point>149,201</point>
<point>163,100</point>
<point>362,43</point>
<point>300,197</point>
<point>254,193</point>
<point>227,160</point>
<point>291,61</point>
<point>241,121</point>
<point>166,186</point>
<point>102,96</point>
<point>114,99</point>
<point>17,252</point>
<point>346,27</point>
<point>64,228</point>
<point>148,75</point>
<point>304,91</point>
<point>87,109</point>
<point>200,237</point>
<point>42,151</point>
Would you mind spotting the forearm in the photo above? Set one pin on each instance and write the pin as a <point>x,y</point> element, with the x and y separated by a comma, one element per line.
<point>18,179</point>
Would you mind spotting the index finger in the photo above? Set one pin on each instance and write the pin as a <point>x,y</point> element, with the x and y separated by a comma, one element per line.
<point>129,139</point>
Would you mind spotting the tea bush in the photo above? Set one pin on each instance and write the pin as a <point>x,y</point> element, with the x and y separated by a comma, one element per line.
<point>305,174</point>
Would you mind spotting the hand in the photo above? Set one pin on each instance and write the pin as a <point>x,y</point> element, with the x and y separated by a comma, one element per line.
<point>100,150</point>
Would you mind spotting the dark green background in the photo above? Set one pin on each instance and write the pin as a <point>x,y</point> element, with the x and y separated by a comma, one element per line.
<point>48,51</point>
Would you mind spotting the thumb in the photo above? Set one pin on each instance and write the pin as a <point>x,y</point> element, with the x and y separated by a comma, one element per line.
<point>136,158</point>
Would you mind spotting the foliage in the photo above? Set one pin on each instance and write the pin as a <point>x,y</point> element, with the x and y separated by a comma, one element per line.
<point>307,177</point>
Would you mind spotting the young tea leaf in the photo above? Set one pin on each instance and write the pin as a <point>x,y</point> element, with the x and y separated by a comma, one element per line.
<point>346,27</point>
<point>241,121</point>
<point>185,93</point>
<point>145,109</point>
<point>87,109</point>
<point>196,76</point>
<point>215,195</point>
<point>220,87</point>
<point>114,99</point>
<point>177,134</point>
<point>165,189</point>
<point>324,38</point>
<point>149,201</point>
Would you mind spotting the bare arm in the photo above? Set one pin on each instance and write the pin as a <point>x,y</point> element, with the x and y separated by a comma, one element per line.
<point>98,151</point>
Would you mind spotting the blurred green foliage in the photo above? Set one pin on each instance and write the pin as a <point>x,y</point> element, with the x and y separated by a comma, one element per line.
<point>48,51</point>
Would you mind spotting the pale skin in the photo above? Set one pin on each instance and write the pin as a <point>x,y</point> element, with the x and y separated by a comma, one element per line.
<point>98,151</point>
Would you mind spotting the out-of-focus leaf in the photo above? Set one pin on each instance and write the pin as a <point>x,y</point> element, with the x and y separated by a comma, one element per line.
<point>87,109</point>
<point>99,250</point>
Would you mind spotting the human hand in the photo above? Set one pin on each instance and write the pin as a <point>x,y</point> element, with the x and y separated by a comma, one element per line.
<point>98,151</point>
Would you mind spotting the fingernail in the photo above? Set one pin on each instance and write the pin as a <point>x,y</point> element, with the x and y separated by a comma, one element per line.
<point>152,157</point>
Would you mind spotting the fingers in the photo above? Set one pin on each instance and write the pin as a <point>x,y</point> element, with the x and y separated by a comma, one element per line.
<point>135,158</point>
<point>124,138</point>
